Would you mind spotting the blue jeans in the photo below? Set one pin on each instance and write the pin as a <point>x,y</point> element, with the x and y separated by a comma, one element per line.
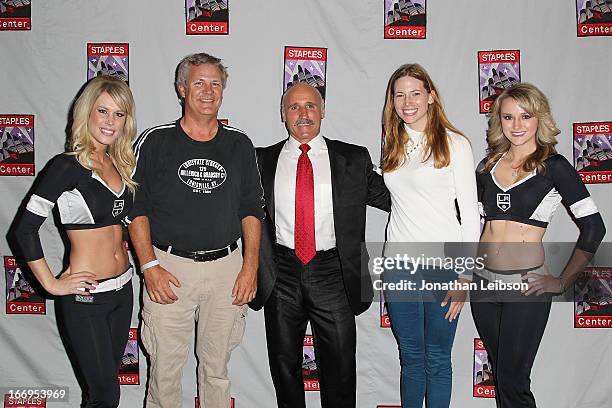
<point>425,341</point>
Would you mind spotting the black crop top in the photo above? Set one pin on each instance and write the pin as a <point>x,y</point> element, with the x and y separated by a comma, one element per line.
<point>83,199</point>
<point>534,199</point>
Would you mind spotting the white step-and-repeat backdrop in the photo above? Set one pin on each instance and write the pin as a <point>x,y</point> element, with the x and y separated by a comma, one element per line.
<point>472,49</point>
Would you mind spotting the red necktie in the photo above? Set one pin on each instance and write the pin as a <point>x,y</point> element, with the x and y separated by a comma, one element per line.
<point>304,229</point>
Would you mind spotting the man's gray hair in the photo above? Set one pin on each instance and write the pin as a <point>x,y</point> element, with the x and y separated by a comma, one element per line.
<point>182,69</point>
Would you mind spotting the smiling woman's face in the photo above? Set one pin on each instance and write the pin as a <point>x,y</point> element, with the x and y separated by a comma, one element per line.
<point>106,121</point>
<point>411,102</point>
<point>518,126</point>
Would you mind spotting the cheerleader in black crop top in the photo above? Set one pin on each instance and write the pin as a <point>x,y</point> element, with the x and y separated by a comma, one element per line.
<point>520,185</point>
<point>84,201</point>
<point>534,199</point>
<point>93,190</point>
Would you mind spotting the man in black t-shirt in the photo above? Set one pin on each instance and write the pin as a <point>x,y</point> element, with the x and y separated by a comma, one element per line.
<point>198,193</point>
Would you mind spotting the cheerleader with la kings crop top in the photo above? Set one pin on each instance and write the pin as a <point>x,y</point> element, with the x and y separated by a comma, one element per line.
<point>521,183</point>
<point>84,201</point>
<point>93,190</point>
<point>534,199</point>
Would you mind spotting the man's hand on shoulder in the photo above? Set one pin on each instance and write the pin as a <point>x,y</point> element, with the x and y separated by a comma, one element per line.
<point>157,281</point>
<point>246,286</point>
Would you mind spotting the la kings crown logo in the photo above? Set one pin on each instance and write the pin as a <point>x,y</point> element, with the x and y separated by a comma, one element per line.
<point>118,207</point>
<point>503,201</point>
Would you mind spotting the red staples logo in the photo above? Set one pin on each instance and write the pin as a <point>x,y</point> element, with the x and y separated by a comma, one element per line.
<point>593,298</point>
<point>15,15</point>
<point>16,145</point>
<point>484,382</point>
<point>594,18</point>
<point>306,65</point>
<point>108,59</point>
<point>593,151</point>
<point>129,366</point>
<point>385,322</point>
<point>24,402</point>
<point>207,17</point>
<point>21,298</point>
<point>405,19</point>
<point>310,372</point>
<point>497,71</point>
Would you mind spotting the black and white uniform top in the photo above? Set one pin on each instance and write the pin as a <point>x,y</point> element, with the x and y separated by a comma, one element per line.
<point>534,199</point>
<point>83,199</point>
<point>195,194</point>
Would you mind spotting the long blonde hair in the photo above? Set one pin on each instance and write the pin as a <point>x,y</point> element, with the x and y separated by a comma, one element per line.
<point>120,151</point>
<point>396,137</point>
<point>535,103</point>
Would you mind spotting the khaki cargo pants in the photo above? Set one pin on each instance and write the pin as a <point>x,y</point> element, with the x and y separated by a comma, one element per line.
<point>204,300</point>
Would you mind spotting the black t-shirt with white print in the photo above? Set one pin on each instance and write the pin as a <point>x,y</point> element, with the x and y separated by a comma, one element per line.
<point>195,194</point>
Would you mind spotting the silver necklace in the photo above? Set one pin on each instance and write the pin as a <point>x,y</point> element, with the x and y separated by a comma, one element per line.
<point>413,146</point>
<point>515,170</point>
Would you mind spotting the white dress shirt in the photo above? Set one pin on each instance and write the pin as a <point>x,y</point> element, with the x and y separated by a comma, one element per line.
<point>284,193</point>
<point>423,197</point>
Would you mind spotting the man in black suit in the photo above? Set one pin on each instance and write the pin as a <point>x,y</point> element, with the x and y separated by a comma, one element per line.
<point>310,269</point>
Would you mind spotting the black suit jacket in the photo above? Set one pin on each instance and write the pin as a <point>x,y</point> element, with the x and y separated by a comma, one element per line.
<point>355,184</point>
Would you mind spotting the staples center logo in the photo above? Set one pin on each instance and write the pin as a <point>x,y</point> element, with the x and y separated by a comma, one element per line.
<point>593,151</point>
<point>405,19</point>
<point>594,17</point>
<point>16,145</point>
<point>208,17</point>
<point>21,298</point>
<point>497,71</point>
<point>15,15</point>
<point>593,298</point>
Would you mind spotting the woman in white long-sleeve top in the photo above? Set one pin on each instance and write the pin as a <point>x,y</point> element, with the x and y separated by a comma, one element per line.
<point>429,169</point>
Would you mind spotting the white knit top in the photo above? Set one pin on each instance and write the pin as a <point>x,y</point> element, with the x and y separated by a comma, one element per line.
<point>423,197</point>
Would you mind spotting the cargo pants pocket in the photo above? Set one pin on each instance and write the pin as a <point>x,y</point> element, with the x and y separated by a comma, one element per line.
<point>238,329</point>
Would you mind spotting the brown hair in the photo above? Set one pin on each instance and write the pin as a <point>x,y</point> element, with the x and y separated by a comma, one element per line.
<point>396,137</point>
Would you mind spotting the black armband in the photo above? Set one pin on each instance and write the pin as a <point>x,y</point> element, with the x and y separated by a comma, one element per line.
<point>592,231</point>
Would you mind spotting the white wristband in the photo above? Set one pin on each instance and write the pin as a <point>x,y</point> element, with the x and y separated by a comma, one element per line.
<point>149,264</point>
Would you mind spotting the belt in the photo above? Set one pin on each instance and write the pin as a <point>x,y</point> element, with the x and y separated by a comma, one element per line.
<point>115,283</point>
<point>199,256</point>
<point>290,251</point>
<point>508,276</point>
